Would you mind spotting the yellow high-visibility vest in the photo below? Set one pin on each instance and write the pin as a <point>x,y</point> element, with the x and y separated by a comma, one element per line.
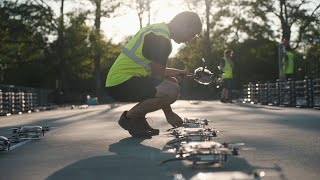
<point>227,70</point>
<point>289,68</point>
<point>131,61</point>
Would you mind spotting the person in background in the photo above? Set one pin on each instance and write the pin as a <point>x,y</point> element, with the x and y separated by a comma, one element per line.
<point>227,66</point>
<point>140,73</point>
<point>288,62</point>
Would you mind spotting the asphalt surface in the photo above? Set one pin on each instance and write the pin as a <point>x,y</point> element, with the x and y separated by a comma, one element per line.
<point>88,144</point>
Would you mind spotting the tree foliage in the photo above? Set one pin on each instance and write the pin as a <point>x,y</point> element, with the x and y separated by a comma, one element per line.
<point>24,36</point>
<point>34,42</point>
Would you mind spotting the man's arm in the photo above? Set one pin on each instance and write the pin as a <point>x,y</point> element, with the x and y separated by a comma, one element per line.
<point>160,72</point>
<point>172,72</point>
<point>157,49</point>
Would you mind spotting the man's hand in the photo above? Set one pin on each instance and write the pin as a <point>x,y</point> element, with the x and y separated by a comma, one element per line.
<point>185,75</point>
<point>174,120</point>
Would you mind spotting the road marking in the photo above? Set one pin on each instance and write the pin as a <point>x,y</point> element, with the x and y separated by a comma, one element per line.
<point>19,144</point>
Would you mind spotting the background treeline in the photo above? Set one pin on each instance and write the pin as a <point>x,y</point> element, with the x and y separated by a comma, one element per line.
<point>70,53</point>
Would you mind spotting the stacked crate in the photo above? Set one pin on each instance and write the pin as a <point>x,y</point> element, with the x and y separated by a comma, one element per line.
<point>273,94</point>
<point>16,100</point>
<point>316,93</point>
<point>286,93</point>
<point>7,102</point>
<point>1,103</point>
<point>27,101</point>
<point>303,93</point>
<point>262,89</point>
<point>246,94</point>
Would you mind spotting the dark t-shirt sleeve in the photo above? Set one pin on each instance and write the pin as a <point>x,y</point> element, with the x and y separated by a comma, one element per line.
<point>156,48</point>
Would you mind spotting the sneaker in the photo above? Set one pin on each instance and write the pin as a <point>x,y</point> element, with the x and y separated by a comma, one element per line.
<point>230,101</point>
<point>140,133</point>
<point>123,121</point>
<point>137,128</point>
<point>223,100</point>
<point>148,127</point>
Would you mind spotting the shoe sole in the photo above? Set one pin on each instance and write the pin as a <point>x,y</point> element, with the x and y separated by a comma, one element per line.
<point>154,131</point>
<point>123,124</point>
<point>142,134</point>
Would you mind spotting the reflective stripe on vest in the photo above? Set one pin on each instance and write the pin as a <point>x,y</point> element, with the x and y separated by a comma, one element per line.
<point>130,53</point>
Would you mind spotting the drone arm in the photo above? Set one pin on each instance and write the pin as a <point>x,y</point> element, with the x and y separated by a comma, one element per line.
<point>179,140</point>
<point>172,72</point>
<point>174,159</point>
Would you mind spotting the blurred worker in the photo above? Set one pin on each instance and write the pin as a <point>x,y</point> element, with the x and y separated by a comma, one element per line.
<point>288,64</point>
<point>140,74</point>
<point>227,66</point>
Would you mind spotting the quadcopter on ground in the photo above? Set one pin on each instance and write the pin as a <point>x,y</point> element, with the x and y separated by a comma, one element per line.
<point>4,144</point>
<point>28,132</point>
<point>186,135</point>
<point>193,123</point>
<point>206,152</point>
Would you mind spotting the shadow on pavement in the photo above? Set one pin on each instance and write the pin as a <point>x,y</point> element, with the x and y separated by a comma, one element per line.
<point>131,161</point>
<point>135,161</point>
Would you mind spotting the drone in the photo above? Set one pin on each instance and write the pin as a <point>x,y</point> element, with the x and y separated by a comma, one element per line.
<point>192,134</point>
<point>206,152</point>
<point>29,132</point>
<point>195,122</point>
<point>4,144</point>
<point>192,123</point>
<point>204,76</point>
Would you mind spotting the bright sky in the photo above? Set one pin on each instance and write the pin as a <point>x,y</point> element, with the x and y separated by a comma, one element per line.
<point>128,24</point>
<point>121,26</point>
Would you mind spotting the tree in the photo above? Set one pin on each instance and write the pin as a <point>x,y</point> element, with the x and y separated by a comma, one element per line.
<point>294,13</point>
<point>23,36</point>
<point>195,4</point>
<point>143,9</point>
<point>96,37</point>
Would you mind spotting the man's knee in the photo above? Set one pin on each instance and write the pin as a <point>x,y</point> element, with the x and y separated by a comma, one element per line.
<point>169,91</point>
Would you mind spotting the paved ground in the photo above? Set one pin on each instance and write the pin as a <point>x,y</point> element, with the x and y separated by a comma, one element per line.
<point>89,144</point>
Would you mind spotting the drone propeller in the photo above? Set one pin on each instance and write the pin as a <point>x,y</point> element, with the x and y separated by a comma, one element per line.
<point>178,140</point>
<point>231,145</point>
<point>235,175</point>
<point>29,138</point>
<point>239,146</point>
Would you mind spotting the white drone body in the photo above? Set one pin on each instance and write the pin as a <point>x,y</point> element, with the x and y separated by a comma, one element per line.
<point>4,144</point>
<point>34,131</point>
<point>195,123</point>
<point>205,152</point>
<point>186,135</point>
